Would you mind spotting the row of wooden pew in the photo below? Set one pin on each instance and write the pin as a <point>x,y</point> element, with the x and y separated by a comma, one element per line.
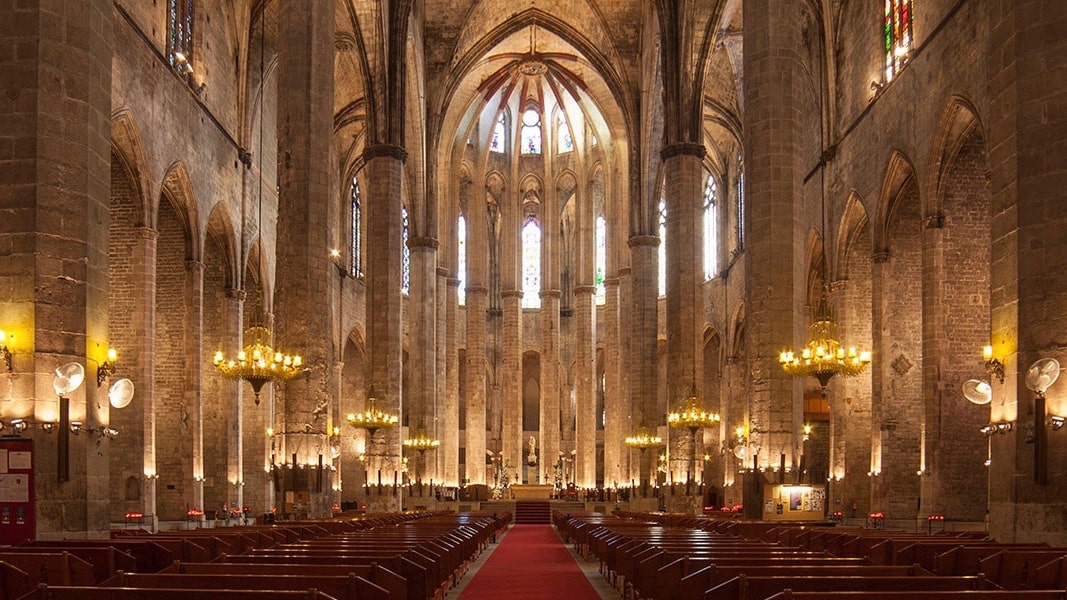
<point>676,557</point>
<point>410,556</point>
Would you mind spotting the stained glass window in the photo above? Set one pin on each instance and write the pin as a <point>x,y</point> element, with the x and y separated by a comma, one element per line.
<point>356,215</point>
<point>601,259</point>
<point>898,35</point>
<point>566,144</point>
<point>531,132</point>
<point>711,228</point>
<point>179,32</point>
<point>531,265</point>
<point>740,203</point>
<point>405,253</point>
<point>662,248</point>
<point>499,136</point>
<point>461,258</point>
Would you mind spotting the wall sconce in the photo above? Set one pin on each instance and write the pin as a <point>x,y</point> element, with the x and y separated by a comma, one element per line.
<point>807,431</point>
<point>19,425</point>
<point>4,350</point>
<point>181,63</point>
<point>1056,422</point>
<point>107,367</point>
<point>993,365</point>
<point>76,427</point>
<point>48,427</point>
<point>335,256</point>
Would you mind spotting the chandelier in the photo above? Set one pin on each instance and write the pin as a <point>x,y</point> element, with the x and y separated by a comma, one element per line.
<point>421,442</point>
<point>258,363</point>
<point>373,418</point>
<point>823,356</point>
<point>692,416</point>
<point>643,439</point>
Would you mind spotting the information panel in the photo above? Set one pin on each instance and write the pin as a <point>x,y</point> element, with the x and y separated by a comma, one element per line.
<point>17,518</point>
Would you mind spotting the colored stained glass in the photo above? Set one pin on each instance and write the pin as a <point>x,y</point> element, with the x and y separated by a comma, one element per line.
<point>461,259</point>
<point>711,229</point>
<point>405,253</point>
<point>601,259</point>
<point>531,265</point>
<point>356,214</point>
<point>662,248</point>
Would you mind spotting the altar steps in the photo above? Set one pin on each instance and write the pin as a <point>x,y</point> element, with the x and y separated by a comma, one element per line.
<point>533,512</point>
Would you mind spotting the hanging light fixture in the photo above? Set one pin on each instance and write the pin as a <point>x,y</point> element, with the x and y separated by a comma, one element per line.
<point>421,442</point>
<point>692,416</point>
<point>373,418</point>
<point>824,356</point>
<point>258,363</point>
<point>643,439</point>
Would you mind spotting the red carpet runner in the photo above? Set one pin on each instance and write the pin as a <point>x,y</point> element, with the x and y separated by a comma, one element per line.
<point>531,563</point>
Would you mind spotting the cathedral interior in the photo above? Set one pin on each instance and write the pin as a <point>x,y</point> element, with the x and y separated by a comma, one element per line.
<point>386,252</point>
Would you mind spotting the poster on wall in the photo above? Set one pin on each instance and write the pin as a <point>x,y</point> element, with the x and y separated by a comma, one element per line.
<point>18,519</point>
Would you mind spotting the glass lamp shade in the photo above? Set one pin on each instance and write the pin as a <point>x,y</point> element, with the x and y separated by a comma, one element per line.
<point>977,391</point>
<point>1042,374</point>
<point>121,393</point>
<point>68,378</point>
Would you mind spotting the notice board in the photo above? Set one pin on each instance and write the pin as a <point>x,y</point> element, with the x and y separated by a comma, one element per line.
<point>18,520</point>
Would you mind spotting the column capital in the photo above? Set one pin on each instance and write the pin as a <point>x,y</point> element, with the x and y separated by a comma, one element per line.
<point>444,272</point>
<point>511,294</point>
<point>880,257</point>
<point>683,149</point>
<point>451,281</point>
<point>236,294</point>
<point>147,233</point>
<point>422,242</point>
<point>477,289</point>
<point>643,240</point>
<point>584,289</point>
<point>610,281</point>
<point>385,150</point>
<point>194,265</point>
<point>551,293</point>
<point>623,272</point>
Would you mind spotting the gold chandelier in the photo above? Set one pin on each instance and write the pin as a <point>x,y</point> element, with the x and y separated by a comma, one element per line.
<point>692,416</point>
<point>373,418</point>
<point>258,363</point>
<point>643,439</point>
<point>421,442</point>
<point>823,356</point>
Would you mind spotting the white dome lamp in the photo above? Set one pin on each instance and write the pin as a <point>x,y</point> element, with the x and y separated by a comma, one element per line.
<point>977,391</point>
<point>68,378</point>
<point>1039,378</point>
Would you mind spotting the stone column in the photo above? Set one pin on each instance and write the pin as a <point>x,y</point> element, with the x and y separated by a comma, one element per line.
<point>684,174</point>
<point>511,340</point>
<point>477,303</point>
<point>422,337</point>
<point>625,396</point>
<point>444,297</point>
<point>615,405</point>
<point>233,309</point>
<point>1027,497</point>
<point>140,416</point>
<point>449,451</point>
<point>642,356</point>
<point>585,381</point>
<point>55,190</point>
<point>550,384</point>
<point>773,67</point>
<point>305,279</point>
<point>192,394</point>
<point>384,165</point>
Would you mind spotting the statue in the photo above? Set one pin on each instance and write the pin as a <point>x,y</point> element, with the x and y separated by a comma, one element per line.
<point>531,455</point>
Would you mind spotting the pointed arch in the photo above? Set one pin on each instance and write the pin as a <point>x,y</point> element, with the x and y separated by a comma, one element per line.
<point>816,276</point>
<point>178,190</point>
<point>899,172</point>
<point>221,228</point>
<point>257,267</point>
<point>959,118</point>
<point>127,145</point>
<point>850,228</point>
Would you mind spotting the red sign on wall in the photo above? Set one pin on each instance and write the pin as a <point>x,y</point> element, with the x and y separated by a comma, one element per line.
<point>18,521</point>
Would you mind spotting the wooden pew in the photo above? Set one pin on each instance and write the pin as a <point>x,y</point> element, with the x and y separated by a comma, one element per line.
<point>377,574</point>
<point>1016,569</point>
<point>14,582</point>
<point>960,595</point>
<point>150,557</point>
<point>745,587</point>
<point>340,587</point>
<point>106,561</point>
<point>689,581</point>
<point>59,568</point>
<point>47,592</point>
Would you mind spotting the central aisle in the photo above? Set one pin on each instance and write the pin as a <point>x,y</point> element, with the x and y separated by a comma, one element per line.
<point>530,563</point>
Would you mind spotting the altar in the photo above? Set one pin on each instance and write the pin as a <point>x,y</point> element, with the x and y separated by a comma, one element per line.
<point>529,491</point>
